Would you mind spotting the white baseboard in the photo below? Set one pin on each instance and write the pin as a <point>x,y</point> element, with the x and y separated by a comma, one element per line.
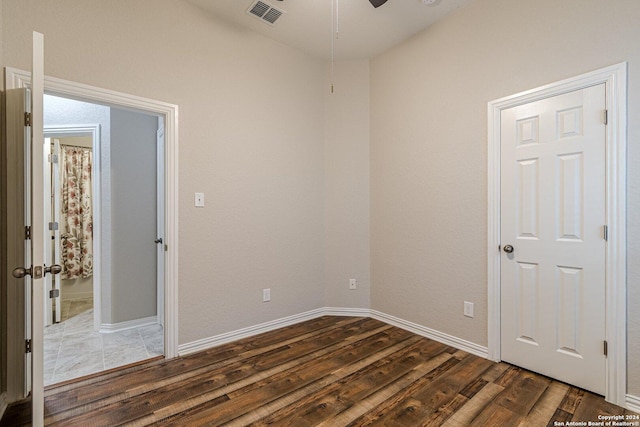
<point>206,343</point>
<point>633,403</point>
<point>447,339</point>
<point>343,311</point>
<point>109,328</point>
<point>3,404</point>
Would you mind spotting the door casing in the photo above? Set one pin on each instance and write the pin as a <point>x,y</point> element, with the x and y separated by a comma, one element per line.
<point>15,78</point>
<point>615,79</point>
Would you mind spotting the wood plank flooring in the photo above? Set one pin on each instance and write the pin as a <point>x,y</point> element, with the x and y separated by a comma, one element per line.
<point>330,371</point>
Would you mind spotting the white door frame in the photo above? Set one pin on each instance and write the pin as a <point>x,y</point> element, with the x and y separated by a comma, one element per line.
<point>16,78</point>
<point>615,80</point>
<point>92,130</point>
<point>160,191</point>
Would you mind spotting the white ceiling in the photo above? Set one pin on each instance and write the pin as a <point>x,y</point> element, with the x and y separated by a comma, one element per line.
<point>364,31</point>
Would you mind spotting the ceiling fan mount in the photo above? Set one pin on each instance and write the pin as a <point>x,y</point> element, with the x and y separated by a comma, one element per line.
<point>377,3</point>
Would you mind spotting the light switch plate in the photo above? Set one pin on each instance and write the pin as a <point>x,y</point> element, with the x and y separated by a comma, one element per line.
<point>468,309</point>
<point>199,200</point>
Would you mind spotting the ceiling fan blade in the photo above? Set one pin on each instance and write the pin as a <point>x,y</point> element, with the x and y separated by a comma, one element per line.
<point>377,3</point>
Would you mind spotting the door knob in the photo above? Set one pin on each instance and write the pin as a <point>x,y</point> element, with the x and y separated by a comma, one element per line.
<point>20,272</point>
<point>53,269</point>
<point>508,249</point>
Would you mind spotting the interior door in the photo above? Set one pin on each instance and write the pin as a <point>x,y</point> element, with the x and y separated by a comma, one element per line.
<point>37,231</point>
<point>51,226</point>
<point>553,237</point>
<point>31,234</point>
<point>16,151</point>
<point>55,233</point>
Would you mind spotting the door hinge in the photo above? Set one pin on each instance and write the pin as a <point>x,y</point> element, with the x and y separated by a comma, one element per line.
<point>27,232</point>
<point>27,119</point>
<point>53,226</point>
<point>54,293</point>
<point>606,348</point>
<point>53,158</point>
<point>606,117</point>
<point>27,346</point>
<point>605,233</point>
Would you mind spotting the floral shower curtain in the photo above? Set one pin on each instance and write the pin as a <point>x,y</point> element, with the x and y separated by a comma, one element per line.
<point>77,215</point>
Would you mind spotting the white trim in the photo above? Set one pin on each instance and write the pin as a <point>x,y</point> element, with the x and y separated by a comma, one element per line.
<point>250,331</point>
<point>343,311</point>
<point>160,142</point>
<point>109,328</point>
<point>92,130</point>
<point>441,337</point>
<point>169,112</point>
<point>615,80</point>
<point>633,403</point>
<point>216,340</point>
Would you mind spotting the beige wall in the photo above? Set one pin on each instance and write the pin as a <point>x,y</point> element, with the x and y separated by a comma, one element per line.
<point>259,136</point>
<point>347,184</point>
<point>429,148</point>
<point>251,139</point>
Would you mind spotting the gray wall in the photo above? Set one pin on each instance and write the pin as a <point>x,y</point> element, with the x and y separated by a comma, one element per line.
<point>133,214</point>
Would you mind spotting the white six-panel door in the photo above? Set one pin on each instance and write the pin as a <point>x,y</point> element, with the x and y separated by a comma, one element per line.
<point>553,216</point>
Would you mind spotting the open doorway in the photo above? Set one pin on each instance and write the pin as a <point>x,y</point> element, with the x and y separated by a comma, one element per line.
<point>106,308</point>
<point>73,197</point>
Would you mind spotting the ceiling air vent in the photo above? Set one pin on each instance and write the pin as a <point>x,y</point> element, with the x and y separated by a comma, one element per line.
<point>265,12</point>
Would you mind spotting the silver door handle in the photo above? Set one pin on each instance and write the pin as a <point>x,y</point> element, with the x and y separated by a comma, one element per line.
<point>508,249</point>
<point>20,272</point>
<point>53,269</point>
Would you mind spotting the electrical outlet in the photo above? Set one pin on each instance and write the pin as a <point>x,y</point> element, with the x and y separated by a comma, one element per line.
<point>266,295</point>
<point>468,309</point>
<point>353,284</point>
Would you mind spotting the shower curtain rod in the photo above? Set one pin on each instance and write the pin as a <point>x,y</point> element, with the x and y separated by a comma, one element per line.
<point>75,146</point>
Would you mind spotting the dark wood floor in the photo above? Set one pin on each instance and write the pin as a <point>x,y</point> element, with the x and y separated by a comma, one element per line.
<point>331,371</point>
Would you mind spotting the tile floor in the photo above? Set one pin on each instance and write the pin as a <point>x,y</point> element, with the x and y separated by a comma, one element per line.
<point>72,349</point>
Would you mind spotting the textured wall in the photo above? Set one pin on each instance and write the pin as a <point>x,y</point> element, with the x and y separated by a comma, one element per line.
<point>429,147</point>
<point>346,158</point>
<point>251,138</point>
